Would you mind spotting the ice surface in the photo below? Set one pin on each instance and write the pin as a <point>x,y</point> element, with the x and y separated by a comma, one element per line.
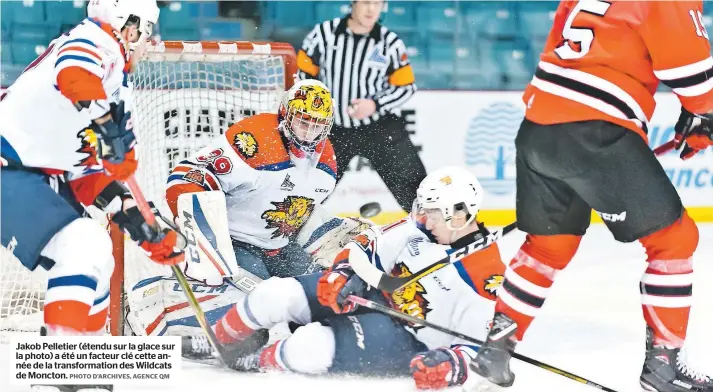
<point>591,325</point>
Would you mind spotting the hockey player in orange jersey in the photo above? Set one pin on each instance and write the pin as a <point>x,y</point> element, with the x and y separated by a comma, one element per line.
<point>583,146</point>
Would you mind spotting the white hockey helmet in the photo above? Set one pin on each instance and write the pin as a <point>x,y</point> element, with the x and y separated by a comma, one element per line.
<point>448,190</point>
<point>119,13</point>
<point>307,113</point>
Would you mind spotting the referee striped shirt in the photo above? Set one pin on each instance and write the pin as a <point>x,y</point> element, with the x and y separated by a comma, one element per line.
<point>354,66</point>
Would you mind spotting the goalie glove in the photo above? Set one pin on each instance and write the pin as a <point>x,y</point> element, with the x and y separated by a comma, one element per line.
<point>694,132</point>
<point>441,367</point>
<point>160,246</point>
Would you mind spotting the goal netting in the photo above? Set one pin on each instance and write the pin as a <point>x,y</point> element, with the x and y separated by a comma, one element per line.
<point>185,95</point>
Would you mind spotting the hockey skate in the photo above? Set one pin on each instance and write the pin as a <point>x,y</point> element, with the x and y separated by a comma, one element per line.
<point>665,370</point>
<point>490,370</point>
<point>199,348</point>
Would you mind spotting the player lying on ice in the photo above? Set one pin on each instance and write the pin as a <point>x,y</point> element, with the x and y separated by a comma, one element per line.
<point>336,337</point>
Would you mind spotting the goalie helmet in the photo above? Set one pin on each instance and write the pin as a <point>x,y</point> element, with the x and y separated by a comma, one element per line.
<point>306,114</point>
<point>446,191</point>
<point>120,13</point>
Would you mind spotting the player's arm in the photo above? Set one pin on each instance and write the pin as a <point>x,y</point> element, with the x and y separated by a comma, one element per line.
<point>402,82</point>
<point>680,52</point>
<point>79,72</point>
<point>308,57</point>
<point>361,263</point>
<point>218,167</point>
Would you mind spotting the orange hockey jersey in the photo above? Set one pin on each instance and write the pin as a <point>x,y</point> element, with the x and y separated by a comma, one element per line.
<point>603,60</point>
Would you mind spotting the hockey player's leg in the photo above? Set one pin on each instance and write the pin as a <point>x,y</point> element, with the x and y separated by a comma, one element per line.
<point>273,301</point>
<point>666,296</point>
<point>555,216</point>
<point>77,297</point>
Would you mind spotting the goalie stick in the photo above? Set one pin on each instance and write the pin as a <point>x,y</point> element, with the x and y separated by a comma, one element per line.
<point>393,283</point>
<point>405,317</point>
<point>148,215</point>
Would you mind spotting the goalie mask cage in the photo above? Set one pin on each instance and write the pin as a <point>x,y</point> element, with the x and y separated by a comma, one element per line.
<point>185,95</point>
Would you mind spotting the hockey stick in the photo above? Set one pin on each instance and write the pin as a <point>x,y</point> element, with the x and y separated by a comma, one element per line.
<point>392,283</point>
<point>405,317</point>
<point>150,218</point>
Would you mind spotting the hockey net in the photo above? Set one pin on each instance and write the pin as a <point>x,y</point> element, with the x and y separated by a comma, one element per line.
<point>186,94</point>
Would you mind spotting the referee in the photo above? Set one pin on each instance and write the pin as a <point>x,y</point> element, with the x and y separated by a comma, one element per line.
<point>365,66</point>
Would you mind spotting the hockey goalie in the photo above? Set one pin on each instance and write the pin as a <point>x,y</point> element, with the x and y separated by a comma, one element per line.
<point>250,206</point>
<point>67,143</point>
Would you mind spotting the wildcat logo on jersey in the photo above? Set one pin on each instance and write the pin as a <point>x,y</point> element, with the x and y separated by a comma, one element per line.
<point>410,299</point>
<point>493,283</point>
<point>246,144</point>
<point>288,216</point>
<point>90,146</point>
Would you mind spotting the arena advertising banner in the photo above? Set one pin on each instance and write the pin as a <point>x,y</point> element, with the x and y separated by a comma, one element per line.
<point>477,130</point>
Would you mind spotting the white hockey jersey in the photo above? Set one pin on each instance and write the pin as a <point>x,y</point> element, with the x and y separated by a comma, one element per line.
<point>40,126</point>
<point>460,297</point>
<point>268,198</point>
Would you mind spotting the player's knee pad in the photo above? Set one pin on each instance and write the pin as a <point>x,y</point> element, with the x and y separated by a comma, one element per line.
<point>310,349</point>
<point>677,241</point>
<point>83,247</point>
<point>277,300</point>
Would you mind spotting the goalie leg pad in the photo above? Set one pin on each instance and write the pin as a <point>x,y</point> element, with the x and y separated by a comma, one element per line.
<point>77,296</point>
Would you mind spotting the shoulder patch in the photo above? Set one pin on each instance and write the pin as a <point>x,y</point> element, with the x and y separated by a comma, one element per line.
<point>257,141</point>
<point>246,144</point>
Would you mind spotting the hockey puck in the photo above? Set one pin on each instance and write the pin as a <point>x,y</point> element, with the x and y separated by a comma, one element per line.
<point>370,210</point>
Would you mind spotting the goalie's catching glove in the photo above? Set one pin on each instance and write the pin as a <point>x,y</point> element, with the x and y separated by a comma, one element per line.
<point>441,367</point>
<point>694,132</point>
<point>338,283</point>
<point>161,246</point>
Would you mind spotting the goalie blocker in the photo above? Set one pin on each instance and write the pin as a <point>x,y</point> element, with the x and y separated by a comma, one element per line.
<point>217,268</point>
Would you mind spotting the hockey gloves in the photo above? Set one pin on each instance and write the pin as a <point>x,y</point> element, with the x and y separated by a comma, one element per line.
<point>116,143</point>
<point>694,132</point>
<point>442,367</point>
<point>338,283</point>
<point>159,245</point>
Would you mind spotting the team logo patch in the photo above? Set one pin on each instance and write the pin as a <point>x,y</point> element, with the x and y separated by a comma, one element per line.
<point>90,147</point>
<point>245,144</point>
<point>288,216</point>
<point>195,176</point>
<point>410,299</point>
<point>493,283</point>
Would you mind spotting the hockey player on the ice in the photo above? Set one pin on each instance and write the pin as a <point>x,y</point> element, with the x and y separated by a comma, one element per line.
<point>337,338</point>
<point>271,171</point>
<point>583,146</point>
<point>66,140</point>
